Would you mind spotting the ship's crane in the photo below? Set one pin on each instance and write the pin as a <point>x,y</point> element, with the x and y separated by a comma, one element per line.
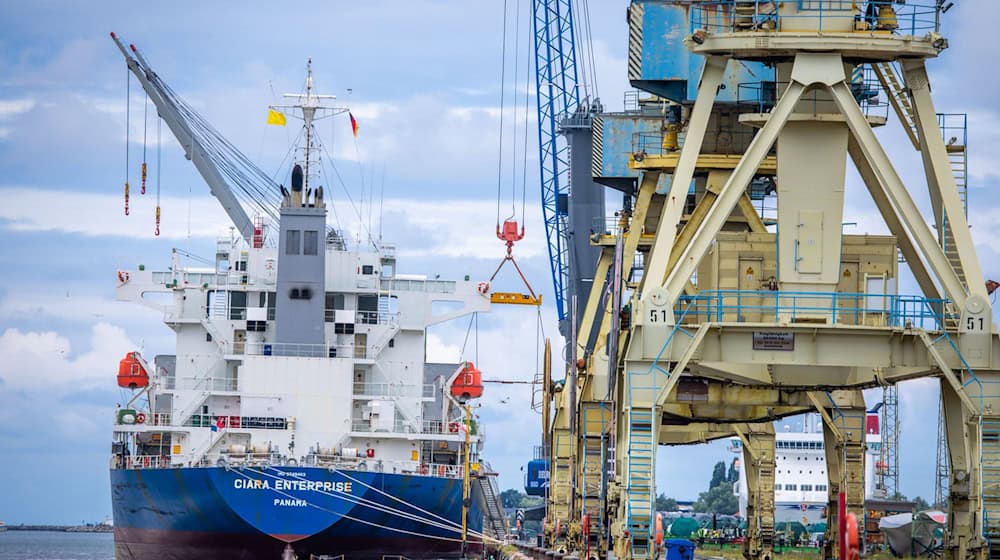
<point>232,178</point>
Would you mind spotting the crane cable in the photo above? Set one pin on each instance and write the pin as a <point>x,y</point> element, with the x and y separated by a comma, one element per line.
<point>128,99</point>
<point>156,231</point>
<point>145,124</point>
<point>503,84</point>
<point>513,152</point>
<point>524,155</point>
<point>583,34</point>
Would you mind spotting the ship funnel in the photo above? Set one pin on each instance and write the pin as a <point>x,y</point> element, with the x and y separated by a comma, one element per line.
<point>297,178</point>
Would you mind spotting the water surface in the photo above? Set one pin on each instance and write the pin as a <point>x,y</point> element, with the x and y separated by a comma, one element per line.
<point>47,545</point>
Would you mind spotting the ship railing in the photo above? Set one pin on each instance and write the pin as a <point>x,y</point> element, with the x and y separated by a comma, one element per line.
<point>451,427</point>
<point>298,350</point>
<point>237,422</point>
<point>204,384</point>
<point>155,419</point>
<point>338,462</point>
<point>869,309</point>
<point>407,285</point>
<point>915,17</point>
<point>186,279</point>
<point>359,464</point>
<point>362,388</point>
<point>376,318</point>
<point>160,419</point>
<point>363,317</point>
<point>374,426</point>
<point>135,462</point>
<point>430,427</point>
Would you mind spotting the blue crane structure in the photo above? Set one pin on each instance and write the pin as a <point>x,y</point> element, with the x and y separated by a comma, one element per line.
<point>558,95</point>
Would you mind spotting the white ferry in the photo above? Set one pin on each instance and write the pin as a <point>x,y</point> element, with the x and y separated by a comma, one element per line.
<point>800,479</point>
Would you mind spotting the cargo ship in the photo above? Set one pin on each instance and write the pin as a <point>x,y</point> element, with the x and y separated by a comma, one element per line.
<point>298,415</point>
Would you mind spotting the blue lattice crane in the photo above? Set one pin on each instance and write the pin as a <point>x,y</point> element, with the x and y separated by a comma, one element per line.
<point>558,95</point>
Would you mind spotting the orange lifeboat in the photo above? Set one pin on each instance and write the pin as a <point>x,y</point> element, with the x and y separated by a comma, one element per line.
<point>131,374</point>
<point>468,384</point>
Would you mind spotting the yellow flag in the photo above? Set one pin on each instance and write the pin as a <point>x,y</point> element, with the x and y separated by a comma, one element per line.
<point>274,117</point>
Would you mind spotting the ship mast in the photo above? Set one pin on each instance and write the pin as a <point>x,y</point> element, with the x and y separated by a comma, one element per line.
<point>309,107</point>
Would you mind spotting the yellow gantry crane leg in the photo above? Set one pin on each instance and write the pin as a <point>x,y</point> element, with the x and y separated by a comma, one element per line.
<point>844,420</point>
<point>759,462</point>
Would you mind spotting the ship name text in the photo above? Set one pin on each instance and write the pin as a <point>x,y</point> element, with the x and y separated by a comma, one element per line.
<point>296,485</point>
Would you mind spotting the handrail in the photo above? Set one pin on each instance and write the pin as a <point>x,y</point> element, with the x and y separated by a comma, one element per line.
<point>210,460</point>
<point>830,16</point>
<point>430,427</point>
<point>363,388</point>
<point>903,311</point>
<point>300,350</point>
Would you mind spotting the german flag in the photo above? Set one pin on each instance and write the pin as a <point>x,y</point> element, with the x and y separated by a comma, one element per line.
<point>354,124</point>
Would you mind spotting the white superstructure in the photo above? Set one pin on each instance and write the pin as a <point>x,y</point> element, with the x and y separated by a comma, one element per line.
<point>800,478</point>
<point>364,397</point>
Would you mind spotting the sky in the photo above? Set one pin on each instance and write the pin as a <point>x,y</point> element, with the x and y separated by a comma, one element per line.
<point>423,79</point>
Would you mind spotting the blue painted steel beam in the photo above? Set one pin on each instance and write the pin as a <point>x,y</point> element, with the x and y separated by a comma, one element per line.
<point>558,96</point>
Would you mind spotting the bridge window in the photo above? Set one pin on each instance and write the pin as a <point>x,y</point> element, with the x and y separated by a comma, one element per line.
<point>292,240</point>
<point>310,242</point>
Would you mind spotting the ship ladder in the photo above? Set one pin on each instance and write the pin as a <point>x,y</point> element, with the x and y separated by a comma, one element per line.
<point>494,510</point>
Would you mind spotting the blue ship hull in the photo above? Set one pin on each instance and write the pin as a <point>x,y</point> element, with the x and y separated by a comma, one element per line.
<point>254,512</point>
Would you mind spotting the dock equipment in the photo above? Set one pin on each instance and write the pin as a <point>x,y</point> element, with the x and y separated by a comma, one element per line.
<point>747,310</point>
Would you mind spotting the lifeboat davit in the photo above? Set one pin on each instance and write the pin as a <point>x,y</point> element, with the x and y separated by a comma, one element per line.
<point>468,384</point>
<point>131,374</point>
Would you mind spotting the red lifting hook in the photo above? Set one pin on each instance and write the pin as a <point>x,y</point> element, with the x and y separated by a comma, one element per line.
<point>509,234</point>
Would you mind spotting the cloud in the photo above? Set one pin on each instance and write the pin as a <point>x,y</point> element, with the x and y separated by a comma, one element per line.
<point>45,361</point>
<point>39,369</point>
<point>42,210</point>
<point>47,305</point>
<point>448,228</point>
<point>10,107</point>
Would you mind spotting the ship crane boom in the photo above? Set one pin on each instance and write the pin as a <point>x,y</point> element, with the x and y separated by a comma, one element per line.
<point>213,156</point>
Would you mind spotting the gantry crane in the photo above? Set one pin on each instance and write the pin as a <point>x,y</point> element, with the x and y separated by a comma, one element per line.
<point>731,326</point>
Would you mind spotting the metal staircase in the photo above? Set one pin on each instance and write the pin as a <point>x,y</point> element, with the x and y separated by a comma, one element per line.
<point>892,84</point>
<point>188,411</point>
<point>496,519</point>
<point>593,463</point>
<point>954,129</point>
<point>641,481</point>
<point>990,472</point>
